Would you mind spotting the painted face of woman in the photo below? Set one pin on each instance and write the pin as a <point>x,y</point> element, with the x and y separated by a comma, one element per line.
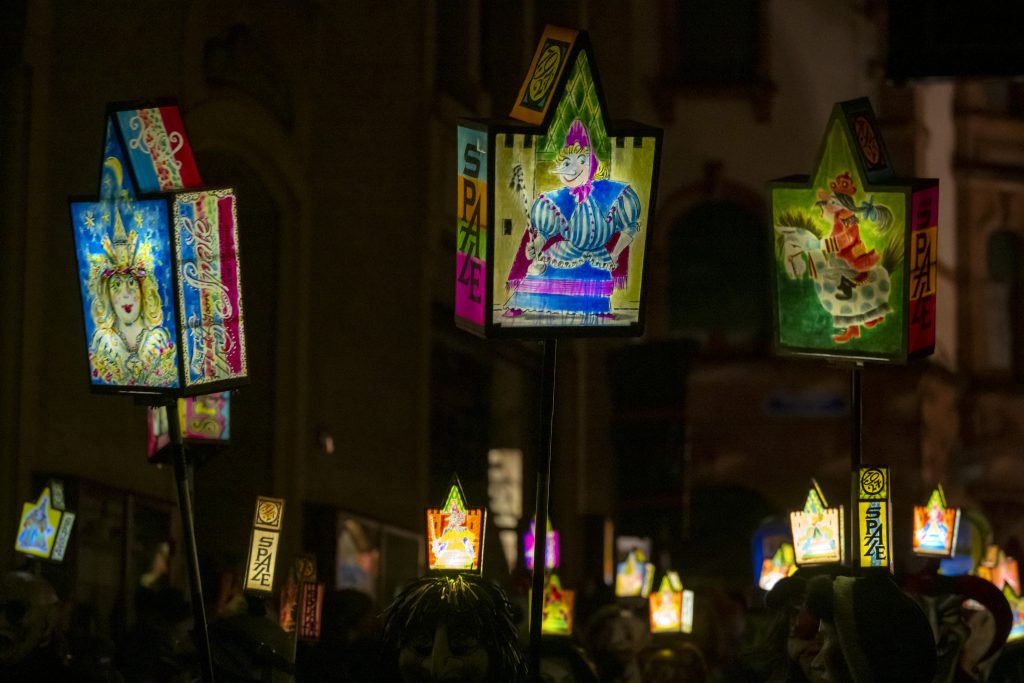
<point>125,297</point>
<point>574,169</point>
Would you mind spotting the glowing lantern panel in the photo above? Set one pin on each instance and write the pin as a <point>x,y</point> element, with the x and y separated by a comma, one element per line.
<point>666,606</point>
<point>634,576</point>
<point>558,608</point>
<point>779,566</point>
<point>263,546</point>
<point>817,531</point>
<point>455,534</point>
<point>874,517</point>
<point>551,552</point>
<point>45,526</point>
<point>203,419</point>
<point>936,527</point>
<point>554,208</point>
<point>159,276</point>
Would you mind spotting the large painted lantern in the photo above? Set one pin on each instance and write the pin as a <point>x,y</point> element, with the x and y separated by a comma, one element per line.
<point>158,264</point>
<point>818,531</point>
<point>44,528</point>
<point>855,250</point>
<point>455,533</point>
<point>936,527</point>
<point>554,207</point>
<point>1002,572</point>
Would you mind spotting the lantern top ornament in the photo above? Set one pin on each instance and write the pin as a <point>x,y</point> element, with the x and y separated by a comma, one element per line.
<point>555,206</point>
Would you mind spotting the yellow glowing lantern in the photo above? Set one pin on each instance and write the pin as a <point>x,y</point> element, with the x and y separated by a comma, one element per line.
<point>558,608</point>
<point>818,534</point>
<point>263,546</point>
<point>45,526</point>
<point>634,577</point>
<point>455,533</point>
<point>874,517</point>
<point>779,566</point>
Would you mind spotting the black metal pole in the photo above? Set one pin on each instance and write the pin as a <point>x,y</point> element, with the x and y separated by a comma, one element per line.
<point>200,630</point>
<point>540,536</point>
<point>856,458</point>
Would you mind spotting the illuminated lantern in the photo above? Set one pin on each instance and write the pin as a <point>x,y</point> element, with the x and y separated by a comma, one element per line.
<point>634,577</point>
<point>203,419</point>
<point>936,527</point>
<point>1000,570</point>
<point>555,207</point>
<point>855,250</point>
<point>818,534</point>
<point>551,556</point>
<point>455,533</point>
<point>45,525</point>
<point>558,608</point>
<point>1017,610</point>
<point>666,606</point>
<point>158,265</point>
<point>263,547</point>
<point>779,566</point>
<point>874,517</point>
<point>311,607</point>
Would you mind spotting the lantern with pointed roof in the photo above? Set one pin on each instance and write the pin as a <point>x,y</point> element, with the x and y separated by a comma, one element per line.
<point>818,531</point>
<point>634,576</point>
<point>44,528</point>
<point>557,614</point>
<point>551,553</point>
<point>855,250</point>
<point>555,206</point>
<point>936,526</point>
<point>455,533</point>
<point>779,566</point>
<point>158,266</point>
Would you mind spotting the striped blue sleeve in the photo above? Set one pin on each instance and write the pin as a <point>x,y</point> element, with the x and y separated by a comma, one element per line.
<point>544,217</point>
<point>627,211</point>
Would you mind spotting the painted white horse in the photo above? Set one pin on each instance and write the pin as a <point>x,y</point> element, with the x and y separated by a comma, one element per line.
<point>851,297</point>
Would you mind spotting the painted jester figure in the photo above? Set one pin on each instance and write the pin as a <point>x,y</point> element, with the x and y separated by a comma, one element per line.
<point>574,253</point>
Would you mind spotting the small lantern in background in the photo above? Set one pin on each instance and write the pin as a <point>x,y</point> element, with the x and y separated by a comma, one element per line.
<point>551,553</point>
<point>818,533</point>
<point>999,569</point>
<point>874,517</point>
<point>666,606</point>
<point>1017,610</point>
<point>554,207</point>
<point>45,526</point>
<point>558,608</point>
<point>779,566</point>
<point>855,250</point>
<point>203,419</point>
<point>311,607</point>
<point>158,265</point>
<point>455,533</point>
<point>634,577</point>
<point>263,546</point>
<point>936,527</point>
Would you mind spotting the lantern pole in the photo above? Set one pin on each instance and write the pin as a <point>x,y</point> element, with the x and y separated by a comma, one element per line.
<point>540,537</point>
<point>202,636</point>
<point>856,457</point>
